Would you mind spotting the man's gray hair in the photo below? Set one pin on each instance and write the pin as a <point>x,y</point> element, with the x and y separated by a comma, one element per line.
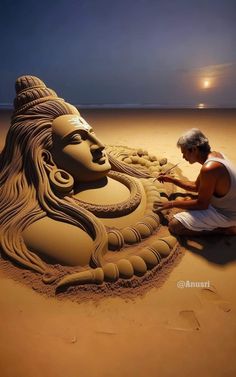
<point>194,138</point>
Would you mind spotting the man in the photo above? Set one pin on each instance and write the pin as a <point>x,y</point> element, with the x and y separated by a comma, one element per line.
<point>214,209</point>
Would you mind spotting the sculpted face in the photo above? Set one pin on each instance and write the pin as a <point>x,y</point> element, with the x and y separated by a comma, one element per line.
<point>77,150</point>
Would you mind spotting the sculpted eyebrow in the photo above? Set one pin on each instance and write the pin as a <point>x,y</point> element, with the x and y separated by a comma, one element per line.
<point>79,131</point>
<point>75,132</point>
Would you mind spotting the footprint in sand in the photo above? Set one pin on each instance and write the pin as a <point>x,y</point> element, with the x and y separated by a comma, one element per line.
<point>186,320</point>
<point>210,294</point>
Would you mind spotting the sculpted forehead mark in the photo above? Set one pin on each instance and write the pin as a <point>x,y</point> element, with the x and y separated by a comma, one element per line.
<point>80,123</point>
<point>66,124</point>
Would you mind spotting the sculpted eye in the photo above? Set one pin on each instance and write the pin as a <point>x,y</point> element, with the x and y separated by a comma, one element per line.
<point>76,138</point>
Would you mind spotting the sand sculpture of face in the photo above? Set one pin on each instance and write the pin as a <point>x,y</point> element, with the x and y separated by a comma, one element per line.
<point>48,144</point>
<point>77,150</point>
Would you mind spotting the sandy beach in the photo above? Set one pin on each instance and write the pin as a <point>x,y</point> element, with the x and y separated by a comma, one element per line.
<point>170,330</point>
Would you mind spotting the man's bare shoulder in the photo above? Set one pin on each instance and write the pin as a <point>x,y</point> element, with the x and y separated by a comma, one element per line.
<point>212,167</point>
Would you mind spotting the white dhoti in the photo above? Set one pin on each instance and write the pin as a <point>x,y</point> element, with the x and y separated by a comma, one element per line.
<point>207,219</point>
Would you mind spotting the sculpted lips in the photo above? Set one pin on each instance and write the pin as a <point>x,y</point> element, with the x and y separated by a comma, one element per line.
<point>99,157</point>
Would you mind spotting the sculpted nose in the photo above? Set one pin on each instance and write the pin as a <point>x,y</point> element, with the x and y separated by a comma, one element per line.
<point>96,143</point>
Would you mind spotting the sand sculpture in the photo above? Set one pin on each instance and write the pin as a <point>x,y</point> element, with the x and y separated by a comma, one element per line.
<point>66,200</point>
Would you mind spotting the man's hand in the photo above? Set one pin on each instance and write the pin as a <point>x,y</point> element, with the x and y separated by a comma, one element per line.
<point>159,206</point>
<point>162,177</point>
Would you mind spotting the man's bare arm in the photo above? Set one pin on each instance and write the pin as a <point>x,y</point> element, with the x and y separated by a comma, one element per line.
<point>206,183</point>
<point>186,185</point>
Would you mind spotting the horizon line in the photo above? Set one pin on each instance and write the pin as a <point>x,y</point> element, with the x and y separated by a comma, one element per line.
<point>9,106</point>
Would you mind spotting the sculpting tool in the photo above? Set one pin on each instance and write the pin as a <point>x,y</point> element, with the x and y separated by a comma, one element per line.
<point>167,171</point>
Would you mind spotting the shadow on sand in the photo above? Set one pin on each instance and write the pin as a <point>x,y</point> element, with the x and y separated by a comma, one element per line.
<point>217,249</point>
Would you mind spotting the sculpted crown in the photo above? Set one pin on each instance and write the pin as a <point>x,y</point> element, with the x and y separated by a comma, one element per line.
<point>30,91</point>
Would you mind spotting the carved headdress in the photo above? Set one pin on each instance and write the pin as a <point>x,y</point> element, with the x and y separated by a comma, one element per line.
<point>31,91</point>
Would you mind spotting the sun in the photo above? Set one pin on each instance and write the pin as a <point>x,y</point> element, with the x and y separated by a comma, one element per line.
<point>206,83</point>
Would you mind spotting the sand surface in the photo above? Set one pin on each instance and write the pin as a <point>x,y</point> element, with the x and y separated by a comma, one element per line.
<point>169,331</point>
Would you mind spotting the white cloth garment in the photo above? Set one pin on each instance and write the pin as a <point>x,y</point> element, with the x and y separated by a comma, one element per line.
<point>221,213</point>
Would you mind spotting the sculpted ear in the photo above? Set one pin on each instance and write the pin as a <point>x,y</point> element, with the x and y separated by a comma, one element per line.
<point>60,181</point>
<point>48,160</point>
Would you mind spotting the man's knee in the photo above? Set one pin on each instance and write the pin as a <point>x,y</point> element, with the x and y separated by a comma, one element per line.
<point>175,226</point>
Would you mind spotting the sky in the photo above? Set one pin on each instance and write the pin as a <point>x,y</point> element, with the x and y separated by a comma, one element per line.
<point>164,53</point>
